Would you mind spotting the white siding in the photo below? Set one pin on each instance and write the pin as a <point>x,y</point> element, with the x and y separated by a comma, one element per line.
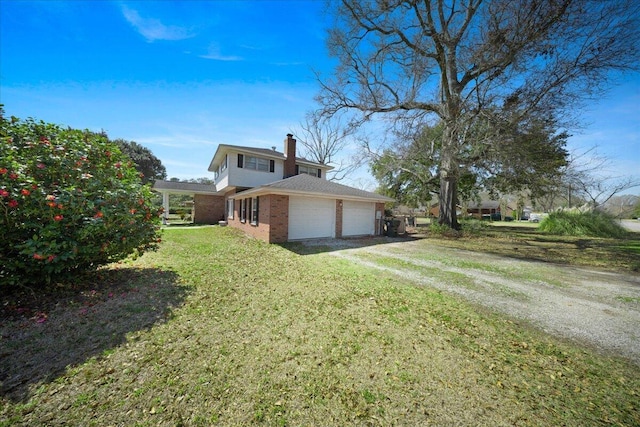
<point>358,218</point>
<point>311,218</point>
<point>234,176</point>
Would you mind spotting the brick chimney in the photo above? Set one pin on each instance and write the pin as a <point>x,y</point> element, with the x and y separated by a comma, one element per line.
<point>290,156</point>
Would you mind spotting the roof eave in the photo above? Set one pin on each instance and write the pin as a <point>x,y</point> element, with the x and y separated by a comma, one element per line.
<point>264,190</point>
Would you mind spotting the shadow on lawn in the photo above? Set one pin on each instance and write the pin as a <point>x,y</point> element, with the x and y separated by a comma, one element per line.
<point>42,335</point>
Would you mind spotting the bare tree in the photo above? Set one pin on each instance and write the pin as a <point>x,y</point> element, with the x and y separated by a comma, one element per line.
<point>589,177</point>
<point>449,62</point>
<point>324,138</point>
<point>587,180</point>
<point>622,206</point>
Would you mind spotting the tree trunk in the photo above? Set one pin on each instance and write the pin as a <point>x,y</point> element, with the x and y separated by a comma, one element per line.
<point>448,197</point>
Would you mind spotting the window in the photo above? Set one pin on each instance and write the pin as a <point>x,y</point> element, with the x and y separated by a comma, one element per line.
<point>254,211</point>
<point>256,163</point>
<point>243,210</point>
<point>309,171</point>
<point>230,208</point>
<point>223,165</point>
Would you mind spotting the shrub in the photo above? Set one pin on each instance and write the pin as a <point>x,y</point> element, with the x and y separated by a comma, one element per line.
<point>442,230</point>
<point>473,227</point>
<point>69,201</point>
<point>591,224</point>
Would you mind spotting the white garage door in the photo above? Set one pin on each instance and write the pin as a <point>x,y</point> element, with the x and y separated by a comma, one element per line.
<point>358,218</point>
<point>311,218</point>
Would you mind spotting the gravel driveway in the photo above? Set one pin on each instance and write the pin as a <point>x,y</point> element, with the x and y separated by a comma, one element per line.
<point>631,224</point>
<point>600,309</point>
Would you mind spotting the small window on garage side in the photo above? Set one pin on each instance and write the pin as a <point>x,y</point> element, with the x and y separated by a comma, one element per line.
<point>230,208</point>
<point>254,211</point>
<point>243,210</point>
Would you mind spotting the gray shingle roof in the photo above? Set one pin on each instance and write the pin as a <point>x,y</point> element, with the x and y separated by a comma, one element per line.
<point>309,185</point>
<point>266,152</point>
<point>185,187</point>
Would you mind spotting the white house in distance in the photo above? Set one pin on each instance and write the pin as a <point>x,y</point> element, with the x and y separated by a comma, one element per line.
<point>278,197</point>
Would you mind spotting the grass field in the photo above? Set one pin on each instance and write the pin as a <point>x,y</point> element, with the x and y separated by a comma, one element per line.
<point>219,329</point>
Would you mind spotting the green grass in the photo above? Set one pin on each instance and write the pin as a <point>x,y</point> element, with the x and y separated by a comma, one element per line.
<point>232,331</point>
<point>589,224</point>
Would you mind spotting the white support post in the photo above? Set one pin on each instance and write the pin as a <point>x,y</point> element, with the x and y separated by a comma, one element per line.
<point>165,205</point>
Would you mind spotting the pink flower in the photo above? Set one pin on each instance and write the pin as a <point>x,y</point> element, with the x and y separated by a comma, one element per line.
<point>41,166</point>
<point>4,193</point>
<point>50,197</point>
<point>3,171</point>
<point>38,256</point>
<point>99,214</point>
<point>58,218</point>
<point>25,192</point>
<point>13,203</point>
<point>13,175</point>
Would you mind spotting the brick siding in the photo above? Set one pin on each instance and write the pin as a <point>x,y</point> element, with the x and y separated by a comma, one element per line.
<point>273,219</point>
<point>208,209</point>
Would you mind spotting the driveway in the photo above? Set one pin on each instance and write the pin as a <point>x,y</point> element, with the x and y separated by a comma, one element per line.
<point>600,309</point>
<point>631,224</point>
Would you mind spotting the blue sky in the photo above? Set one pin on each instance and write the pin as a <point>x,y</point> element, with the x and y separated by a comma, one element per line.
<point>183,77</point>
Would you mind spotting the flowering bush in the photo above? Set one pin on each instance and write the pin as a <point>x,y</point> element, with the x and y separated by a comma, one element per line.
<point>69,201</point>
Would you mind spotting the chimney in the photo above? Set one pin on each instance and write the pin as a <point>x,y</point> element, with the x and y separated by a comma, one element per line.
<point>290,156</point>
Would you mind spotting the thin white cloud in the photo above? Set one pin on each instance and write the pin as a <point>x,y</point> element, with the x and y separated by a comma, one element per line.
<point>214,54</point>
<point>152,29</point>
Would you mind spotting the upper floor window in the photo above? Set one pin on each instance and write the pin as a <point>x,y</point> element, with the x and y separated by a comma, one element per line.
<point>223,165</point>
<point>256,163</point>
<point>306,170</point>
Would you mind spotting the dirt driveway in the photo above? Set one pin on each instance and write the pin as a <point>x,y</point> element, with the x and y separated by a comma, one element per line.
<point>597,308</point>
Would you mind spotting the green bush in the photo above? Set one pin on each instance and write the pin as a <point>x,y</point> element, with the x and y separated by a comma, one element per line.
<point>69,201</point>
<point>589,224</point>
<point>473,227</point>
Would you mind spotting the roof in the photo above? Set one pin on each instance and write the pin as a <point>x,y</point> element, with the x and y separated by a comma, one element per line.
<point>264,152</point>
<point>185,187</point>
<point>486,204</point>
<point>306,185</point>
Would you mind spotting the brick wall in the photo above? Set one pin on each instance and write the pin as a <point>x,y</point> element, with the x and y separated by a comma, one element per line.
<point>208,209</point>
<point>278,218</point>
<point>273,219</point>
<point>290,156</point>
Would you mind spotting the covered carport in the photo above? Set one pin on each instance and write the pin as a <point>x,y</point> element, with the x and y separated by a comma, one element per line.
<point>208,204</point>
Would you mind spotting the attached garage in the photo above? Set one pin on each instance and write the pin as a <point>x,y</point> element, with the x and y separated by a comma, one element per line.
<point>358,218</point>
<point>311,218</point>
<point>308,207</point>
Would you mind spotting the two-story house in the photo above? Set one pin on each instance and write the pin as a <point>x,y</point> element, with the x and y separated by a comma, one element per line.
<point>278,197</point>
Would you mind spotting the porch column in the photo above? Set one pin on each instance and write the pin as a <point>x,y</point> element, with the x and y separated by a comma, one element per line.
<point>165,206</point>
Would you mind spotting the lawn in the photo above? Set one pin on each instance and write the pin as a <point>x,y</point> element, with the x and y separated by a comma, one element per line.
<point>219,329</point>
<point>522,240</point>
